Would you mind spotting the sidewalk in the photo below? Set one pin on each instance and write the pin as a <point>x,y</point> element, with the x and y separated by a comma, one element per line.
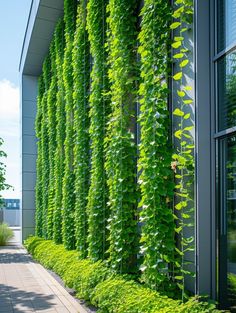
<point>26,286</point>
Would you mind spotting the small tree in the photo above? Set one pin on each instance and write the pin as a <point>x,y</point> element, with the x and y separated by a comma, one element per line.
<point>3,184</point>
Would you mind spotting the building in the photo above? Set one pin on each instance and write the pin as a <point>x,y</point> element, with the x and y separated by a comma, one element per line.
<point>211,74</point>
<point>11,204</point>
<point>11,212</point>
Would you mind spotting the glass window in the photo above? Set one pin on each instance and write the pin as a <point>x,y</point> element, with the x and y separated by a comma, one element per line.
<point>226,23</point>
<point>227,91</point>
<point>228,201</point>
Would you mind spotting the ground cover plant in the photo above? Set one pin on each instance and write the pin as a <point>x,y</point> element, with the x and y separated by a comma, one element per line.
<point>99,285</point>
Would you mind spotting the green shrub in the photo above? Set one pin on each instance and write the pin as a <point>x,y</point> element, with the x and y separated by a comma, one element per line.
<point>97,284</point>
<point>5,234</point>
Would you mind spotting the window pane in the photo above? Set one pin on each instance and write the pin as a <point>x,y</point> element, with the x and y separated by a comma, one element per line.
<point>226,23</point>
<point>227,91</point>
<point>228,194</point>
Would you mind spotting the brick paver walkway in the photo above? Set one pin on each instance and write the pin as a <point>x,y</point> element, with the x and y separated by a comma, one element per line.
<point>26,286</point>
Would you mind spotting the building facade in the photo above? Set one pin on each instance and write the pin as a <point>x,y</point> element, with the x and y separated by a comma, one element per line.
<point>211,75</point>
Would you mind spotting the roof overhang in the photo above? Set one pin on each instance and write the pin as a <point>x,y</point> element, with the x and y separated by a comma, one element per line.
<point>42,20</point>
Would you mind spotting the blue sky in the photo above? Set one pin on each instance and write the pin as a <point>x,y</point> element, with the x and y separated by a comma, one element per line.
<point>13,20</point>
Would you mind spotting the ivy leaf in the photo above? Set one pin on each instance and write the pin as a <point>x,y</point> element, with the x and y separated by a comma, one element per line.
<point>178,134</point>
<point>178,76</point>
<point>184,63</point>
<point>187,116</point>
<point>178,112</point>
<point>175,25</point>
<point>178,56</point>
<point>181,93</point>
<point>188,101</point>
<point>187,87</point>
<point>176,44</point>
<point>189,128</point>
<point>178,38</point>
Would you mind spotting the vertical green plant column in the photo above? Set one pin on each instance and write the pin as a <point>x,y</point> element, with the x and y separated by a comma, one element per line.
<point>68,227</point>
<point>39,165</point>
<point>52,95</point>
<point>121,149</point>
<point>156,178</point>
<point>99,107</point>
<point>183,158</point>
<point>60,133</point>
<point>45,145</point>
<point>81,74</point>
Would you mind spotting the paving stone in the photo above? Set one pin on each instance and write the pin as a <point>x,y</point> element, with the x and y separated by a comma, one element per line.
<point>26,286</point>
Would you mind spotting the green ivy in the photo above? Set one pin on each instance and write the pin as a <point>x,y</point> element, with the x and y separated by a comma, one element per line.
<point>68,178</point>
<point>45,144</point>
<point>121,148</point>
<point>39,166</point>
<point>97,199</point>
<point>81,66</point>
<point>156,179</point>
<point>51,99</point>
<point>183,158</point>
<point>60,133</point>
<point>93,207</point>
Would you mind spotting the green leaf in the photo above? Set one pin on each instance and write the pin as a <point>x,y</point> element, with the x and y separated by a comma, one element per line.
<point>178,112</point>
<point>176,44</point>
<point>178,56</point>
<point>187,116</point>
<point>187,87</point>
<point>178,76</point>
<point>181,93</point>
<point>175,25</point>
<point>184,63</point>
<point>188,128</point>
<point>178,134</point>
<point>188,101</point>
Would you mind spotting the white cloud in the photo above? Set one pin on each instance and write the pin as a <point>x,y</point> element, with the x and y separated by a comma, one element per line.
<point>9,131</point>
<point>9,100</point>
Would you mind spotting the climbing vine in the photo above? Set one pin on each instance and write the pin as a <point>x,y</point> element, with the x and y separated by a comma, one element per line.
<point>51,103</point>
<point>121,149</point>
<point>97,199</point>
<point>68,178</point>
<point>60,132</point>
<point>39,165</point>
<point>156,178</point>
<point>87,193</point>
<point>81,74</point>
<point>45,143</point>
<point>183,159</point>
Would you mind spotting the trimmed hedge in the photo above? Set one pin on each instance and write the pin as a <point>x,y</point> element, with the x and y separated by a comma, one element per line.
<point>97,284</point>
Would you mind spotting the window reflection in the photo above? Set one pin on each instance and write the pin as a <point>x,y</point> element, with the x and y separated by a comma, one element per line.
<point>230,186</point>
<point>226,23</point>
<point>227,91</point>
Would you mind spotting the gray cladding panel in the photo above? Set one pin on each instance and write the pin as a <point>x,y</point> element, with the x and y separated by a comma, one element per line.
<point>28,126</point>
<point>29,145</point>
<point>29,109</point>
<point>29,162</point>
<point>28,181</point>
<point>28,217</point>
<point>29,153</point>
<point>56,4</point>
<point>27,231</point>
<point>28,200</point>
